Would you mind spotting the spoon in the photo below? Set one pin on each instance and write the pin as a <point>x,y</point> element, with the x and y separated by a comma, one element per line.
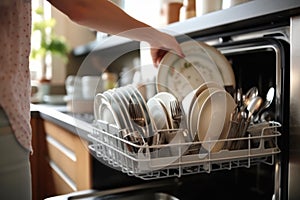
<point>253,107</point>
<point>239,97</point>
<point>269,99</point>
<point>251,93</point>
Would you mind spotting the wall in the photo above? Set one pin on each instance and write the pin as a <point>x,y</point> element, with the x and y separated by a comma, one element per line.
<point>75,34</point>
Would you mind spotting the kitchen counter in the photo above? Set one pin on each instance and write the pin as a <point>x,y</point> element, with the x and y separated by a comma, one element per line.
<point>80,124</point>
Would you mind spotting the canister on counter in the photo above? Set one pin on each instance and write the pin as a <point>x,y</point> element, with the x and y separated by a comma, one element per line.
<point>188,10</point>
<point>206,6</point>
<point>170,11</point>
<point>109,80</point>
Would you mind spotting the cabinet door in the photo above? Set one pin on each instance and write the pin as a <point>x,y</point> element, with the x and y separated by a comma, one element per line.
<point>61,161</point>
<point>37,140</point>
<point>68,158</point>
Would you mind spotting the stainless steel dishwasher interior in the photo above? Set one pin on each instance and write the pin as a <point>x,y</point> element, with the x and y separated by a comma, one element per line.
<point>275,69</point>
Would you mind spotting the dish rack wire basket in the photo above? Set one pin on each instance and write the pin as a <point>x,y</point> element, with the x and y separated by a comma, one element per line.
<point>181,158</point>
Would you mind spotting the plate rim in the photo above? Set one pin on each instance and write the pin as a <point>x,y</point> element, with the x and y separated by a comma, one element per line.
<point>203,96</point>
<point>159,95</point>
<point>223,132</point>
<point>160,104</point>
<point>211,53</point>
<point>108,105</point>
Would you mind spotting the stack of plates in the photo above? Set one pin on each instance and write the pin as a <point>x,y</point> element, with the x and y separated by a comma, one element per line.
<point>119,106</point>
<point>113,106</point>
<point>160,110</point>
<point>207,110</point>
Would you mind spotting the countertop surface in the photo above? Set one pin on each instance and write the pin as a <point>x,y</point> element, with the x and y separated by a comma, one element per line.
<point>80,124</point>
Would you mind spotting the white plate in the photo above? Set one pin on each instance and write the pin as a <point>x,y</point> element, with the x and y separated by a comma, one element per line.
<point>104,111</point>
<point>213,120</point>
<point>158,113</point>
<point>136,97</point>
<point>223,64</point>
<point>182,75</point>
<point>125,98</point>
<point>99,98</point>
<point>189,99</point>
<point>166,98</point>
<point>130,96</point>
<point>194,113</point>
<point>124,108</point>
<point>116,107</point>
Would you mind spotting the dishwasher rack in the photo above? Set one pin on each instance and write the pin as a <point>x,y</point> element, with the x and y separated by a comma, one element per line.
<point>181,158</point>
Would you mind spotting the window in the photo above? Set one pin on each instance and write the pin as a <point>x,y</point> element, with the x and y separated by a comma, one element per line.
<point>36,64</point>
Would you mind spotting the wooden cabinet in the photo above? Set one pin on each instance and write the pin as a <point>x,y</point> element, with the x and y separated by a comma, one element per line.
<point>61,162</point>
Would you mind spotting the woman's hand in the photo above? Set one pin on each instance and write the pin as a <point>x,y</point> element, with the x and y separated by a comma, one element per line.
<point>163,45</point>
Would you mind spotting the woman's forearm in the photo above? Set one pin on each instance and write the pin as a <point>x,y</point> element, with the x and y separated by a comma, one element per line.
<point>104,16</point>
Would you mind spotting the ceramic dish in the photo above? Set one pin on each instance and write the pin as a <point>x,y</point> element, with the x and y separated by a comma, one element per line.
<point>143,103</point>
<point>103,110</point>
<point>194,113</point>
<point>99,98</point>
<point>137,99</point>
<point>130,97</point>
<point>124,108</point>
<point>158,113</point>
<point>166,98</point>
<point>124,97</point>
<point>190,98</point>
<point>116,107</point>
<point>182,75</point>
<point>214,118</point>
<point>223,64</point>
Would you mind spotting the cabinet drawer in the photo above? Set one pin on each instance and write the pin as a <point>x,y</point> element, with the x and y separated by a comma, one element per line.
<point>60,186</point>
<point>63,136</point>
<point>63,158</point>
<point>69,156</point>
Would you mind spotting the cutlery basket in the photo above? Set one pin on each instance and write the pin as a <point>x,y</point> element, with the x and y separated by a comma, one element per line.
<point>181,158</point>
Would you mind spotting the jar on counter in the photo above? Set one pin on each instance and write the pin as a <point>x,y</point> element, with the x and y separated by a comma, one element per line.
<point>207,6</point>
<point>188,10</point>
<point>109,80</point>
<point>170,11</point>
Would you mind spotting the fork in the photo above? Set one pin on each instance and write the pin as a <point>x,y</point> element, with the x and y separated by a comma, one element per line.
<point>176,112</point>
<point>136,114</point>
